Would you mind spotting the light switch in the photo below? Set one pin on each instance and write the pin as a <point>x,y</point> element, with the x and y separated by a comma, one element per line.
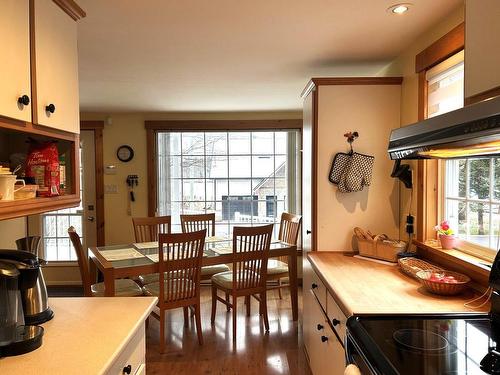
<point>111,189</point>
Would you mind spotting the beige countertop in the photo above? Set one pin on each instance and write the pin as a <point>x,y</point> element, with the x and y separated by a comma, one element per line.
<point>84,337</point>
<point>361,286</point>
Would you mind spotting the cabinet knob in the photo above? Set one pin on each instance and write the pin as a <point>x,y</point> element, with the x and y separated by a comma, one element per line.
<point>319,327</point>
<point>335,322</point>
<point>50,108</point>
<point>324,339</point>
<point>314,286</point>
<point>127,369</point>
<point>308,231</point>
<point>24,100</point>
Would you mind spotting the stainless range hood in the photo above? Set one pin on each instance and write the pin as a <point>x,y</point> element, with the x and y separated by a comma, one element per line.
<point>472,131</point>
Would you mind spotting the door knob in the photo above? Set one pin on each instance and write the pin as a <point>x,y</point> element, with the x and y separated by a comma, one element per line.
<point>324,339</point>
<point>319,327</point>
<point>314,286</point>
<point>50,108</point>
<point>24,100</point>
<point>91,218</point>
<point>335,322</point>
<point>308,232</point>
<point>127,369</point>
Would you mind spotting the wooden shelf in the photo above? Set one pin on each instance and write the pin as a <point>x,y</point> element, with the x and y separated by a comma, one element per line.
<point>24,207</point>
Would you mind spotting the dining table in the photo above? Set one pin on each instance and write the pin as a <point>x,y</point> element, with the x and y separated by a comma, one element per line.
<point>134,259</point>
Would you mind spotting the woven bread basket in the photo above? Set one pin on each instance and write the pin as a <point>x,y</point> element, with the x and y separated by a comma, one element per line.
<point>411,266</point>
<point>443,288</point>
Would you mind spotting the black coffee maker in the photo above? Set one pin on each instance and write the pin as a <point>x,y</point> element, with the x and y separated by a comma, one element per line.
<point>18,272</point>
<point>491,362</point>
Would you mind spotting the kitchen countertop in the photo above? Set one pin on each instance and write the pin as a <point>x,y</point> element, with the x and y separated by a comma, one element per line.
<point>84,337</point>
<point>361,286</point>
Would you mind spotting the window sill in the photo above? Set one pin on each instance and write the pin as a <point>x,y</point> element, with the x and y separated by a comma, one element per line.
<point>61,263</point>
<point>455,260</point>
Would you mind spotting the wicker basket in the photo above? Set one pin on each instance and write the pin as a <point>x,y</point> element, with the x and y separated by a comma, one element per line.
<point>411,266</point>
<point>442,288</point>
<point>379,247</point>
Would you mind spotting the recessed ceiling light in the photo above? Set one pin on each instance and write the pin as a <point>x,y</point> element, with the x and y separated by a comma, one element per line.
<point>399,8</point>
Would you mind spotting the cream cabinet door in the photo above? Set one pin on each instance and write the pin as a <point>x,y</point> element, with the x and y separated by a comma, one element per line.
<point>56,68</point>
<point>15,60</point>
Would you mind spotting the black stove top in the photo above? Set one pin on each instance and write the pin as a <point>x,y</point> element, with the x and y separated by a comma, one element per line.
<point>426,345</point>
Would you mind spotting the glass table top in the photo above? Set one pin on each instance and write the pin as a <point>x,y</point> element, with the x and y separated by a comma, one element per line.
<point>146,253</point>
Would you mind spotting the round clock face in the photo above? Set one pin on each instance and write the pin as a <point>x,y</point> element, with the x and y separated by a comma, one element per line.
<point>125,153</point>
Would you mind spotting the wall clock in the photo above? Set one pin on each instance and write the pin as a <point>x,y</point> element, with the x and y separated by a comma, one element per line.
<point>125,153</point>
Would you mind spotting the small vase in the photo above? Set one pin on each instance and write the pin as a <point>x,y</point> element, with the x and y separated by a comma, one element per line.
<point>447,242</point>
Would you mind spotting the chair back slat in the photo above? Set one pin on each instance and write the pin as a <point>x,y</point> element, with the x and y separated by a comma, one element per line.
<point>193,223</point>
<point>251,252</point>
<point>179,265</point>
<point>289,230</point>
<point>82,261</point>
<point>147,229</point>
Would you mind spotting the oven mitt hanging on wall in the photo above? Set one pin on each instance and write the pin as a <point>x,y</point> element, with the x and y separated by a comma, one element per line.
<point>357,174</point>
<point>339,165</point>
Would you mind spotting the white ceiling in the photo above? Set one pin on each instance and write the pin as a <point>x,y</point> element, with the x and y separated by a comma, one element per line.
<point>234,55</point>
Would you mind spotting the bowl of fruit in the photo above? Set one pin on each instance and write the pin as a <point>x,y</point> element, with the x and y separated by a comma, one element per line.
<point>446,283</point>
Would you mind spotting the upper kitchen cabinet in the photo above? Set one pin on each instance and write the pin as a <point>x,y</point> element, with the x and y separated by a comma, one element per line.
<point>332,107</point>
<point>15,91</point>
<point>482,50</point>
<point>55,66</point>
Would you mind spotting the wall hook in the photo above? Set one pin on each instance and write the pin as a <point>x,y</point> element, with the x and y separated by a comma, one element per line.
<point>351,137</point>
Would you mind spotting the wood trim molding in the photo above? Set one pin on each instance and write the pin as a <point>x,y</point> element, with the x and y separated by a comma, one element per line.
<point>151,167</point>
<point>194,125</point>
<point>329,81</point>
<point>97,127</point>
<point>91,125</point>
<point>482,96</point>
<point>71,8</point>
<point>441,49</point>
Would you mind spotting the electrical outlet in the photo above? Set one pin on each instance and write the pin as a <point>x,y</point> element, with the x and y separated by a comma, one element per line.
<point>111,189</point>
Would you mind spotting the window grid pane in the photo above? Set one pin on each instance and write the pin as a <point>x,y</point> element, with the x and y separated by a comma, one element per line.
<point>227,177</point>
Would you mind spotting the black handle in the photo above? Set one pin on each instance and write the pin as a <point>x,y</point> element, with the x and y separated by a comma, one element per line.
<point>308,231</point>
<point>324,339</point>
<point>127,369</point>
<point>319,327</point>
<point>50,108</point>
<point>314,286</point>
<point>335,322</point>
<point>24,100</point>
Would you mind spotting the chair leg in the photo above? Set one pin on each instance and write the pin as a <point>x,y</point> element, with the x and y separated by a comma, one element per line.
<point>162,331</point>
<point>214,304</point>
<point>227,300</point>
<point>234,320</point>
<point>197,315</point>
<point>279,289</point>
<point>247,303</point>
<point>263,303</point>
<point>186,317</point>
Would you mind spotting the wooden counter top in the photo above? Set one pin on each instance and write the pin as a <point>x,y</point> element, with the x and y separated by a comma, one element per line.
<point>84,337</point>
<point>364,287</point>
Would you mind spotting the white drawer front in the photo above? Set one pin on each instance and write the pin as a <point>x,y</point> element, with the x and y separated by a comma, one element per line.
<point>133,355</point>
<point>336,316</point>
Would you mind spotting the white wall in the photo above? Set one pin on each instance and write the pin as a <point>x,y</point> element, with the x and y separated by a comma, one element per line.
<point>10,231</point>
<point>372,111</point>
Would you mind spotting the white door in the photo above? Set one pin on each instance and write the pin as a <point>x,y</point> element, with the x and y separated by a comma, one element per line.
<point>87,182</point>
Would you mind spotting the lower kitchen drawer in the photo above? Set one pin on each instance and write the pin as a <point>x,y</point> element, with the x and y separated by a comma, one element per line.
<point>132,359</point>
<point>336,316</point>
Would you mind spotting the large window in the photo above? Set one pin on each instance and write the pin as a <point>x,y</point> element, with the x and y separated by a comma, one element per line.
<point>246,177</point>
<point>471,186</point>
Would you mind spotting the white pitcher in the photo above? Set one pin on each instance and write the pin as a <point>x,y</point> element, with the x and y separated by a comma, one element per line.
<point>7,189</point>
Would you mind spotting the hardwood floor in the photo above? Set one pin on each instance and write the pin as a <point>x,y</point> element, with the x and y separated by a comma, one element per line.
<point>278,352</point>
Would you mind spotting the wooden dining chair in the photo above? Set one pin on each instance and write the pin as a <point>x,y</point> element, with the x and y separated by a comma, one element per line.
<point>179,266</point>
<point>191,223</point>
<point>147,229</point>
<point>277,269</point>
<point>123,287</point>
<point>248,276</point>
